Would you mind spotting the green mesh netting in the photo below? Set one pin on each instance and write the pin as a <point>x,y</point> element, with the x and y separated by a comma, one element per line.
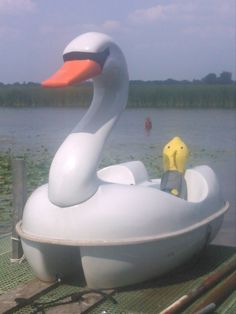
<point>146,298</point>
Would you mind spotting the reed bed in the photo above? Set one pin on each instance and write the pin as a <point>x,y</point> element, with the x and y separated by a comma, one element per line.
<point>144,94</point>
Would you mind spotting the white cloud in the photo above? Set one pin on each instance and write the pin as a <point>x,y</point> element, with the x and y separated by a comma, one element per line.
<point>107,26</point>
<point>12,7</point>
<point>151,14</point>
<point>184,10</point>
<point>111,25</point>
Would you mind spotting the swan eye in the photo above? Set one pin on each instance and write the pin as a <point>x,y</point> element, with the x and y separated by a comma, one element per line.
<point>168,147</point>
<point>181,147</point>
<point>99,57</point>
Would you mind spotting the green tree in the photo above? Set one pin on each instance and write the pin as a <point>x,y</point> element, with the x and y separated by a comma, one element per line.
<point>210,78</point>
<point>225,78</point>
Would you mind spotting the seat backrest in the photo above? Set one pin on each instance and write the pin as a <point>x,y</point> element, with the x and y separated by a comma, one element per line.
<point>196,185</point>
<point>133,172</point>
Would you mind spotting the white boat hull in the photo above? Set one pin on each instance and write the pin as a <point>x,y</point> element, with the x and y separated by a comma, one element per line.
<point>117,265</point>
<point>124,265</point>
<point>130,240</point>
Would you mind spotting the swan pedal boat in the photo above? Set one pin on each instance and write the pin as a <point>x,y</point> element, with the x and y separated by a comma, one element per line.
<point>114,226</point>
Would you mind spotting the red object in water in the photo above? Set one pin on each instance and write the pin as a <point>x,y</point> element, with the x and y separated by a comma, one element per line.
<point>148,124</point>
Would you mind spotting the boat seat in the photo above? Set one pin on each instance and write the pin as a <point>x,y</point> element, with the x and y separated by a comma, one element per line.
<point>196,185</point>
<point>133,172</point>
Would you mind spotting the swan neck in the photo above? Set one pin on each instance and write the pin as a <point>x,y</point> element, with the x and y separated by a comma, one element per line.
<point>73,173</point>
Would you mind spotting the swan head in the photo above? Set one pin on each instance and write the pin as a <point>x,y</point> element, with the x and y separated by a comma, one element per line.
<point>90,55</point>
<point>175,155</point>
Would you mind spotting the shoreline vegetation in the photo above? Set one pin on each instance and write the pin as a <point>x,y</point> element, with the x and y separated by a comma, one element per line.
<point>36,175</point>
<point>142,94</point>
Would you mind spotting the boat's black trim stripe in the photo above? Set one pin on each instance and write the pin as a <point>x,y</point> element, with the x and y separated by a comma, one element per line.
<point>99,57</point>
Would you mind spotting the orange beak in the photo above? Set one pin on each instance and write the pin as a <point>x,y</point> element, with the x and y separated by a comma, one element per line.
<point>73,71</point>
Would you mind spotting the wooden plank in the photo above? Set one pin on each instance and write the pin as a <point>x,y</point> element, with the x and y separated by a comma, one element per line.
<point>29,291</point>
<point>19,198</point>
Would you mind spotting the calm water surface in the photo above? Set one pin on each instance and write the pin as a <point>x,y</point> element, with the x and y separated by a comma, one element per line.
<point>210,135</point>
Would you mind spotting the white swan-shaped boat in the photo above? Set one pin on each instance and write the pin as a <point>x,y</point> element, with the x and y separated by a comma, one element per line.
<point>114,225</point>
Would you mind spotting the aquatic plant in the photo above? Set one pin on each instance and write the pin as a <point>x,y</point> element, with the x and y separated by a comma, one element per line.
<point>36,174</point>
<point>37,167</point>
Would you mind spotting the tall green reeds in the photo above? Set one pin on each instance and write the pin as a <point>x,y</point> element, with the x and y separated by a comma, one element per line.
<point>141,94</point>
<point>183,96</point>
<point>27,95</point>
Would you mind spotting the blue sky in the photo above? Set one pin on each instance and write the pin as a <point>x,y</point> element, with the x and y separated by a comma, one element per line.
<point>179,39</point>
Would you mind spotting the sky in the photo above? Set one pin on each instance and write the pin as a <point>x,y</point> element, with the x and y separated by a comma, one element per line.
<point>178,39</point>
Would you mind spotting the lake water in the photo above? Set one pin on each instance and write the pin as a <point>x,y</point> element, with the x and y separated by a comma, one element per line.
<point>210,135</point>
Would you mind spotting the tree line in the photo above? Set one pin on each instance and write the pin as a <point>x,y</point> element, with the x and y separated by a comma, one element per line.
<point>210,91</point>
